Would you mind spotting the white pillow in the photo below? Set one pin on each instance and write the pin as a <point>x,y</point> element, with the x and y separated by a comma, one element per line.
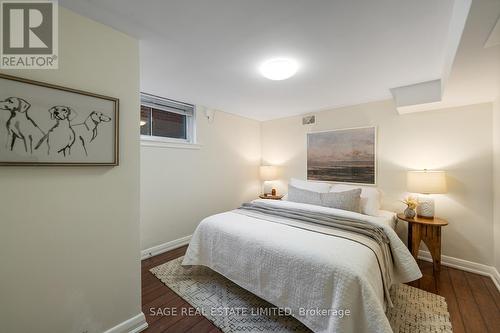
<point>310,186</point>
<point>370,197</point>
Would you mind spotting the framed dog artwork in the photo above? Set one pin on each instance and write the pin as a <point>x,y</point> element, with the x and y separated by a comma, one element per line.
<point>45,124</point>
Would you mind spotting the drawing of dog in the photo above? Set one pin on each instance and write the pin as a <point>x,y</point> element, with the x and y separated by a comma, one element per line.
<point>61,136</point>
<point>20,125</point>
<point>87,131</point>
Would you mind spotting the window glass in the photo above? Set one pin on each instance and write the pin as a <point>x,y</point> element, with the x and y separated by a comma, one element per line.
<point>168,124</point>
<point>145,120</point>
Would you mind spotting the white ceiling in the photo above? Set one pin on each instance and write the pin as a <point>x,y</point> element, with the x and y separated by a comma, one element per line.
<point>475,74</point>
<point>475,77</point>
<point>350,51</point>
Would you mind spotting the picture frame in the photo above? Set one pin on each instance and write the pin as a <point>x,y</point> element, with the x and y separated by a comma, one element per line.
<point>346,155</point>
<point>43,124</point>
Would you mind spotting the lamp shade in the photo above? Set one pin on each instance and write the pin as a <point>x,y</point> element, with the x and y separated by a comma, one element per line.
<point>426,182</point>
<point>268,172</point>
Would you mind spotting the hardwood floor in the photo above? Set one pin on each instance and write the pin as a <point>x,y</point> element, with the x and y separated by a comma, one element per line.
<point>473,300</point>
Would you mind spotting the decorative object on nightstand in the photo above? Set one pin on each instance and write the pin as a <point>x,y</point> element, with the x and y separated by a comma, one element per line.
<point>426,182</point>
<point>268,173</point>
<point>411,204</point>
<point>271,196</point>
<point>427,230</point>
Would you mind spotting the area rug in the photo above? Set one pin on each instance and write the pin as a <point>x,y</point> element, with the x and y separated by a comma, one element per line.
<point>233,309</point>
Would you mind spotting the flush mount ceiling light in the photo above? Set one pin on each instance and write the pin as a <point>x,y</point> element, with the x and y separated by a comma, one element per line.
<point>279,68</point>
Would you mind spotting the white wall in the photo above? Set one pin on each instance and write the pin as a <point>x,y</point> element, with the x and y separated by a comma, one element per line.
<point>496,166</point>
<point>69,236</point>
<point>180,187</point>
<point>457,140</point>
<point>496,175</point>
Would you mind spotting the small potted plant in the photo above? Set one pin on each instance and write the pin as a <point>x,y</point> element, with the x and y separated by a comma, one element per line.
<point>411,204</point>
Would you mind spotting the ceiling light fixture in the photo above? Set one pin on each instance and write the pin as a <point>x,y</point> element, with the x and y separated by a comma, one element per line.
<point>279,68</point>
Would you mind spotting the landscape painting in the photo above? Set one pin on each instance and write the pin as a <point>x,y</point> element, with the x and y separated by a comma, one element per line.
<point>346,156</point>
<point>44,124</point>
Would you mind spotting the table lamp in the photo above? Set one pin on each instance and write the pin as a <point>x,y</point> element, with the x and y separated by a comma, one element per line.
<point>426,182</point>
<point>268,173</point>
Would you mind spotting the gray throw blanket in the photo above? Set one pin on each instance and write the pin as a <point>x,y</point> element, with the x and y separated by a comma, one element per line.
<point>365,233</point>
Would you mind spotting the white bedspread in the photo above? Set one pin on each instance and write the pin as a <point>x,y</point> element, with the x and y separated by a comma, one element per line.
<point>302,270</point>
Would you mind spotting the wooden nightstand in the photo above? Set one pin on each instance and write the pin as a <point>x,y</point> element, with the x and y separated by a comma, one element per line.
<point>271,197</point>
<point>427,230</point>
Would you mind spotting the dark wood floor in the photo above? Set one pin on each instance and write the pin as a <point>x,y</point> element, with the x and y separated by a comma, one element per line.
<point>473,300</point>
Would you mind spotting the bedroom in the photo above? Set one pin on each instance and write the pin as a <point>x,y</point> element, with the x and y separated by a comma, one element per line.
<point>148,134</point>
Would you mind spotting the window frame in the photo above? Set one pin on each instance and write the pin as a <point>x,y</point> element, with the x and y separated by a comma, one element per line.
<point>154,141</point>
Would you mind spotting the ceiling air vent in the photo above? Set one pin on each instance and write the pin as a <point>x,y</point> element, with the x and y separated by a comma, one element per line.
<point>308,120</point>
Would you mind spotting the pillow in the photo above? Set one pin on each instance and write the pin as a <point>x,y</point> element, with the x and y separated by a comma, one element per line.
<point>370,197</point>
<point>296,194</point>
<point>348,200</point>
<point>310,186</point>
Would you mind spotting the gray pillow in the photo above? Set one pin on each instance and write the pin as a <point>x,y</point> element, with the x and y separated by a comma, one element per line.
<point>296,194</point>
<point>347,200</point>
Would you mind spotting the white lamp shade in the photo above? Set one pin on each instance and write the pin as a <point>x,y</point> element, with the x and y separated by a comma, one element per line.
<point>426,182</point>
<point>268,172</point>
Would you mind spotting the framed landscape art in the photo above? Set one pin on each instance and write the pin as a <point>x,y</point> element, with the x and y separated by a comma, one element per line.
<point>346,155</point>
<point>45,124</point>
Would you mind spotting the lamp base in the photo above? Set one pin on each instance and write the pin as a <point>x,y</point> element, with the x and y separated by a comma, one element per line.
<point>425,207</point>
<point>273,192</point>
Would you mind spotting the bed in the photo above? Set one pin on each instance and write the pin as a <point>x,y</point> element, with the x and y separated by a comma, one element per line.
<point>302,266</point>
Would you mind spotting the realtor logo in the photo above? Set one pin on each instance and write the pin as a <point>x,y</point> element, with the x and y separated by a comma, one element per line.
<point>29,35</point>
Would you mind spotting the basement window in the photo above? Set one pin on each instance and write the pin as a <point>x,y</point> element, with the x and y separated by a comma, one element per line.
<point>166,120</point>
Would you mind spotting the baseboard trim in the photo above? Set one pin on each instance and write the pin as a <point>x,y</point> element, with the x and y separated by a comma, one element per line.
<point>465,265</point>
<point>159,249</point>
<point>135,324</point>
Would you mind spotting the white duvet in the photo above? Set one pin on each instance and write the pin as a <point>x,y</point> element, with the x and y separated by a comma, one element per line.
<point>303,270</point>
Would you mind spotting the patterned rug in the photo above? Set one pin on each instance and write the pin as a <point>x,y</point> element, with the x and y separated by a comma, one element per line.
<point>233,309</point>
